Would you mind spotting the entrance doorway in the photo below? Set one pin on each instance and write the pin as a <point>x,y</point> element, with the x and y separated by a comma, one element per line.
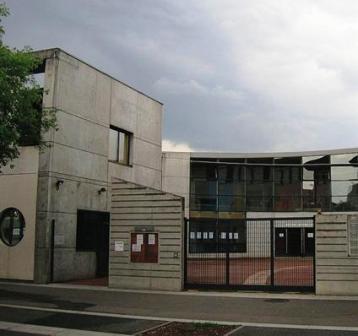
<point>93,236</point>
<point>294,242</point>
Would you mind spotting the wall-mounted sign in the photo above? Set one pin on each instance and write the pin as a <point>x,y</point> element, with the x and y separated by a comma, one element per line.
<point>144,228</point>
<point>151,239</point>
<point>139,239</point>
<point>119,245</point>
<point>136,247</point>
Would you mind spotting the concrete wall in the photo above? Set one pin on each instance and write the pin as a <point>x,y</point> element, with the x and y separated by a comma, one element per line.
<point>18,189</point>
<point>135,208</point>
<point>87,102</point>
<point>336,271</point>
<point>176,175</point>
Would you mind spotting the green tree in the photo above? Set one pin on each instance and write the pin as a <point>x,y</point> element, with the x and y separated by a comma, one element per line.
<point>23,121</point>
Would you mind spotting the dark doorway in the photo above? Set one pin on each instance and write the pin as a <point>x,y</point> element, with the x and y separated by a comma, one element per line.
<point>309,241</point>
<point>280,241</point>
<point>294,241</point>
<point>93,235</point>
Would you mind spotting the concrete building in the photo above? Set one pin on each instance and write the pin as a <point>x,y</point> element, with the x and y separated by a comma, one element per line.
<point>103,201</point>
<point>106,129</point>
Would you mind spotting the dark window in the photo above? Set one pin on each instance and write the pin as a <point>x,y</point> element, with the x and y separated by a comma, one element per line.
<point>119,145</point>
<point>211,173</point>
<point>329,183</point>
<point>260,186</point>
<point>287,184</point>
<point>12,225</point>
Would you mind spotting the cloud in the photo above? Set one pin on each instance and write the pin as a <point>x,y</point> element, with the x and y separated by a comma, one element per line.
<point>234,75</point>
<point>170,146</point>
<point>192,87</point>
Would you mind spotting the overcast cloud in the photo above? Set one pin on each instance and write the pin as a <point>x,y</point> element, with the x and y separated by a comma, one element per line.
<point>234,75</point>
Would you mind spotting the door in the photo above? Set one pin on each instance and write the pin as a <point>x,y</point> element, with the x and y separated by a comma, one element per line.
<point>309,241</point>
<point>93,236</point>
<point>280,241</point>
<point>294,241</point>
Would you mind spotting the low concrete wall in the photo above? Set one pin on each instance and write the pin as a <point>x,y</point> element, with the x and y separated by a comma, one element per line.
<point>336,270</point>
<point>137,209</point>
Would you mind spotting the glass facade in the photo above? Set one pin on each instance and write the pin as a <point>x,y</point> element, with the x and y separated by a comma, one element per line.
<point>308,183</point>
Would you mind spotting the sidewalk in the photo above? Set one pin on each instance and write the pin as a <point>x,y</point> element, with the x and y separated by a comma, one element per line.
<point>261,309</point>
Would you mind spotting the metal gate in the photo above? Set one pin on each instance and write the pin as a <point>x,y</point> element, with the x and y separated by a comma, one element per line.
<point>258,254</point>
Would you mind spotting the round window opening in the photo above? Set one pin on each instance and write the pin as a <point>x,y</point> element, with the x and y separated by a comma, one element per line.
<point>12,226</point>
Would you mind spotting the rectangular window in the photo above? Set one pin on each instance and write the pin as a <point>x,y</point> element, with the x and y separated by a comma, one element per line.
<point>119,142</point>
<point>353,235</point>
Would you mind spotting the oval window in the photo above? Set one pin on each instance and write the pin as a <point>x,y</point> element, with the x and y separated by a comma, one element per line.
<point>12,225</point>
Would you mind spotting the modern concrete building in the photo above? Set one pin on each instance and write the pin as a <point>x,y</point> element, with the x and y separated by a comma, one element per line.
<point>106,129</point>
<point>103,201</point>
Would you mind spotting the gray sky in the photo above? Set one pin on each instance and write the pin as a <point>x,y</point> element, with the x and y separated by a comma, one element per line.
<point>234,75</point>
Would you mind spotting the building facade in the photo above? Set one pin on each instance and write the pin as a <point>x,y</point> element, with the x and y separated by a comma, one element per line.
<point>103,201</point>
<point>264,184</point>
<point>251,218</point>
<point>105,129</point>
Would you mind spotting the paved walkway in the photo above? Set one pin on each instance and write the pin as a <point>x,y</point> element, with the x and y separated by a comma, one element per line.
<point>113,311</point>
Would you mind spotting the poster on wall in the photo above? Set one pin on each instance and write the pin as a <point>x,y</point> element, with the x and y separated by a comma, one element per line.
<point>136,248</point>
<point>151,239</point>
<point>119,245</point>
<point>139,239</point>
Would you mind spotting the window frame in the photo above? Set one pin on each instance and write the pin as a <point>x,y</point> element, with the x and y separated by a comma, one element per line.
<point>129,136</point>
<point>6,213</point>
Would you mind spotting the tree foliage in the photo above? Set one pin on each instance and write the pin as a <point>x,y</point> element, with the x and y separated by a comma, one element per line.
<point>23,121</point>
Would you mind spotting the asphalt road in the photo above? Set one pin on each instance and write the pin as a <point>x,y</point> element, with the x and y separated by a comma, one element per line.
<point>280,311</point>
<point>76,321</point>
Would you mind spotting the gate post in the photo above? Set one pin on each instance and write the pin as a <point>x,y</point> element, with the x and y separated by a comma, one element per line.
<point>227,266</point>
<point>185,250</point>
<point>272,252</point>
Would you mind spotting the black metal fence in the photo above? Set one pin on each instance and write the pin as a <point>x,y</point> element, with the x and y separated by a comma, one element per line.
<point>268,254</point>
